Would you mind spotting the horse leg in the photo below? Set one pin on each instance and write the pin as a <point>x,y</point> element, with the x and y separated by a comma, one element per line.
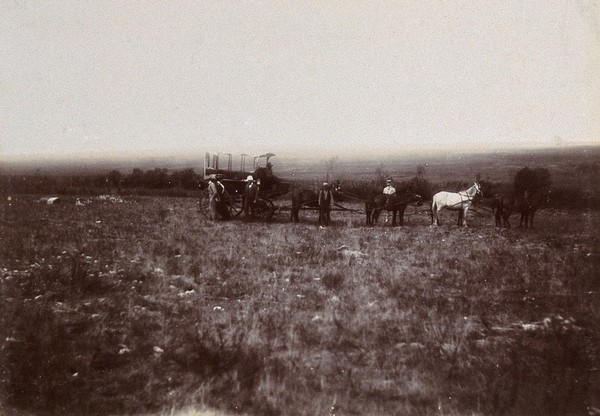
<point>437,218</point>
<point>376,214</point>
<point>496,210</point>
<point>498,217</point>
<point>401,215</point>
<point>434,216</point>
<point>531,219</point>
<point>506,213</point>
<point>394,218</point>
<point>294,214</point>
<point>523,218</point>
<point>464,216</point>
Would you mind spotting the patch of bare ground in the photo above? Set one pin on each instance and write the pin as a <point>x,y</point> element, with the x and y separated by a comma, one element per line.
<point>140,306</point>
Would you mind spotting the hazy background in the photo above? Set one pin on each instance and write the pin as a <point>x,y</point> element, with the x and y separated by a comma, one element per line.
<point>346,78</point>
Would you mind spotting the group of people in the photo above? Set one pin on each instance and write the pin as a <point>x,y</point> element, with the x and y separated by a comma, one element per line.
<point>218,206</point>
<point>325,199</point>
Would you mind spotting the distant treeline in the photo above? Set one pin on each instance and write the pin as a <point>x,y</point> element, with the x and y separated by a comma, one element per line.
<point>186,183</point>
<point>158,181</point>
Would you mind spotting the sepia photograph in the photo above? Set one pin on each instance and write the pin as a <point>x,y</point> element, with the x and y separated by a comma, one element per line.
<point>299,208</point>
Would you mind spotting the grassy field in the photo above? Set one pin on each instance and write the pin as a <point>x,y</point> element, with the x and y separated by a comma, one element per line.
<point>141,306</point>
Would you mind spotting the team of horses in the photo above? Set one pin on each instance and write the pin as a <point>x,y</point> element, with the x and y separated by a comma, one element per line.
<point>375,203</point>
<point>526,204</point>
<point>503,205</point>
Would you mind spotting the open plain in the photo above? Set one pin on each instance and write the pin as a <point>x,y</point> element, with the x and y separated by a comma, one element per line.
<point>128,304</point>
<point>139,304</point>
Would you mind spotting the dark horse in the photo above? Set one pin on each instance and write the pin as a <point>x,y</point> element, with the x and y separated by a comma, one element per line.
<point>397,204</point>
<point>527,204</point>
<point>307,198</point>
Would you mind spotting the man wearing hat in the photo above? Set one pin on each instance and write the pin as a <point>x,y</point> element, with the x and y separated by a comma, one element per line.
<point>325,201</point>
<point>390,192</point>
<point>250,198</point>
<point>389,188</point>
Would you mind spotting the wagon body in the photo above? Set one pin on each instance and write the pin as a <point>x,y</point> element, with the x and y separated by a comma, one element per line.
<point>234,184</point>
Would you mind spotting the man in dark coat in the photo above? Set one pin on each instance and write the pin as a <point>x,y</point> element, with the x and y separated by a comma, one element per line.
<point>251,196</point>
<point>325,201</point>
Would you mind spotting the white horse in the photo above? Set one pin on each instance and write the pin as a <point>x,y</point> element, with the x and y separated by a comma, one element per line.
<point>454,201</point>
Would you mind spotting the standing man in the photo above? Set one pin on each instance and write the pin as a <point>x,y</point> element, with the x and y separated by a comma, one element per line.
<point>215,196</point>
<point>390,192</point>
<point>325,201</point>
<point>251,196</point>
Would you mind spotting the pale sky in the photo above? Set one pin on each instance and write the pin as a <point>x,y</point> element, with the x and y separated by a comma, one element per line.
<point>313,77</point>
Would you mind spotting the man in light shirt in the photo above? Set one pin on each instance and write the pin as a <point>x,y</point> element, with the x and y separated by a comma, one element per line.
<point>215,198</point>
<point>390,193</point>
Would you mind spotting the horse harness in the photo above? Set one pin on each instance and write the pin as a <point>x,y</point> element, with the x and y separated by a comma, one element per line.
<point>462,200</point>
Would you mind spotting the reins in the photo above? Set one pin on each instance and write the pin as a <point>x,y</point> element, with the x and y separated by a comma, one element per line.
<point>356,198</point>
<point>343,208</point>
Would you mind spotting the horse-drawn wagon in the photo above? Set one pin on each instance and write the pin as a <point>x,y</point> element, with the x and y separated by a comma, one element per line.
<point>234,184</point>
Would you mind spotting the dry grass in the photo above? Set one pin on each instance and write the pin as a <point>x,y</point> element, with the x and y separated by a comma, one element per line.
<point>143,306</point>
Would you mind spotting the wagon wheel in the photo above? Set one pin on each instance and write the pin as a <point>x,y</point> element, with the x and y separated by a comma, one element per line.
<point>264,209</point>
<point>235,203</point>
<point>204,204</point>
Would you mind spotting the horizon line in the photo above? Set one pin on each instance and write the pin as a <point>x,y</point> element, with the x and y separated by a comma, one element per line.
<point>293,153</point>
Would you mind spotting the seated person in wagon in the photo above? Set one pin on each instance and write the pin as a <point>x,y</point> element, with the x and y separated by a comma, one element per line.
<point>265,176</point>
